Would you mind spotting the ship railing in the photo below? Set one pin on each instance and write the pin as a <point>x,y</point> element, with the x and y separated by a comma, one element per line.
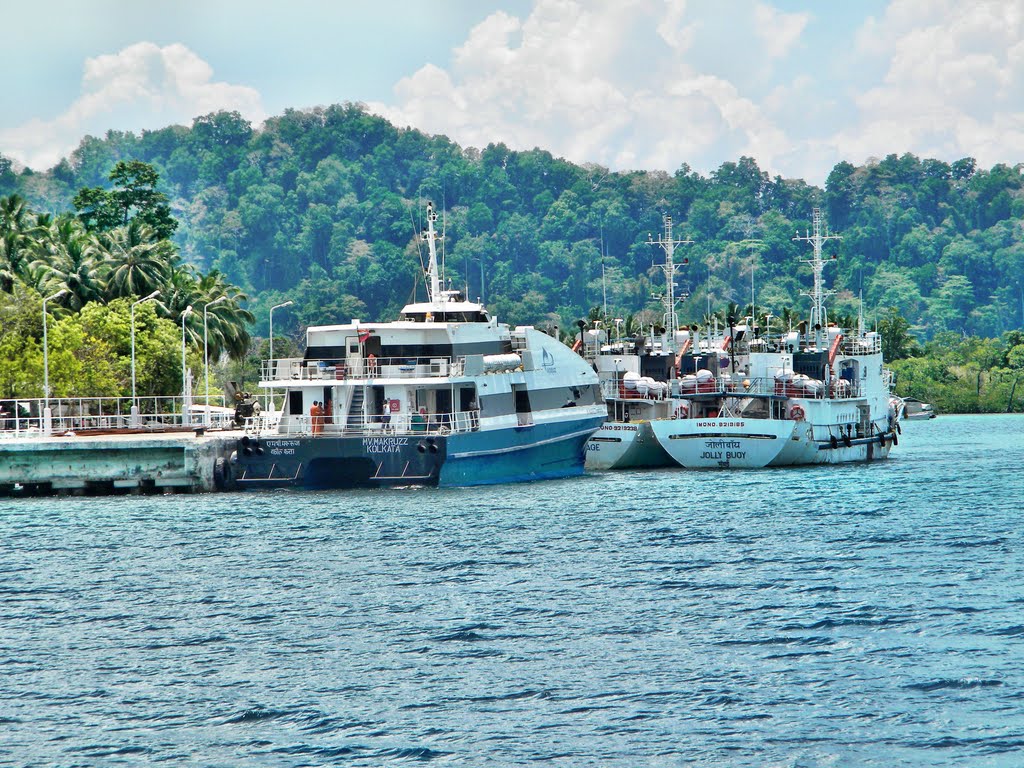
<point>801,388</point>
<point>861,345</point>
<point>26,417</point>
<point>370,367</point>
<point>726,385</point>
<point>611,390</point>
<point>888,379</point>
<point>379,425</point>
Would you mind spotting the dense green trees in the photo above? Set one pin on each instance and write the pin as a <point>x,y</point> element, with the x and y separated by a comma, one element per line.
<point>98,264</point>
<point>959,374</point>
<point>323,207</point>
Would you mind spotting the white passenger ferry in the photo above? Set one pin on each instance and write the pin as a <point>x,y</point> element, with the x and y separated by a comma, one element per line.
<point>445,395</point>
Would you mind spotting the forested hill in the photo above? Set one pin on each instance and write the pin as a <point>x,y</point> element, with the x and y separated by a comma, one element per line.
<point>323,207</point>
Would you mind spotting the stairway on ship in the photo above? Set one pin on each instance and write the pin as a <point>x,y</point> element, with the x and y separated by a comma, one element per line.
<point>354,423</point>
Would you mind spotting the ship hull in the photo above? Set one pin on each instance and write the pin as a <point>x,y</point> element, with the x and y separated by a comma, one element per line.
<point>756,443</point>
<point>622,445</point>
<point>505,455</point>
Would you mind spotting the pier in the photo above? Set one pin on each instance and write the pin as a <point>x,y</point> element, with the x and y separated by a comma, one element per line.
<point>93,446</point>
<point>189,461</point>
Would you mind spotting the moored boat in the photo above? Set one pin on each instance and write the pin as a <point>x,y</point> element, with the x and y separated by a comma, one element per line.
<point>445,395</point>
<point>636,381</point>
<point>916,410</point>
<point>816,395</point>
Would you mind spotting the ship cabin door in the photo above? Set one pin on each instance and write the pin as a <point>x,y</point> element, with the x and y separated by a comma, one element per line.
<point>469,409</point>
<point>354,356</point>
<point>523,410</point>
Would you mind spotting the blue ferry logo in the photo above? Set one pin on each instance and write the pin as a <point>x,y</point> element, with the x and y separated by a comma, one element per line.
<point>547,359</point>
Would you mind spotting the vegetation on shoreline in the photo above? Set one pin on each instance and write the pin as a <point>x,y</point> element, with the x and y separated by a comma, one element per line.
<point>321,207</point>
<point>93,267</point>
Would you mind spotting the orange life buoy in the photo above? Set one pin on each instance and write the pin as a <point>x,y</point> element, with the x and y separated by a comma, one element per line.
<point>796,413</point>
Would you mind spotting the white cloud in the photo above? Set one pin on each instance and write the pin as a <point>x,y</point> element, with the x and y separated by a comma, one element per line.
<point>658,83</point>
<point>141,86</point>
<point>954,83</point>
<point>778,31</point>
<point>610,83</point>
<point>673,28</point>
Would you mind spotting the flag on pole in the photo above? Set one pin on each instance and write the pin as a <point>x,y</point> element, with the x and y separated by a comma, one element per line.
<point>363,336</point>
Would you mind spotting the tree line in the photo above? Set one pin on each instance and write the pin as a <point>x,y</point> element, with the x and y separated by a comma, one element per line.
<point>322,207</point>
<point>98,266</point>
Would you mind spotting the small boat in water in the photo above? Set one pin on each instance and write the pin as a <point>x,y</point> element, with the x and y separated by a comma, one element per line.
<point>916,410</point>
<point>816,395</point>
<point>445,395</point>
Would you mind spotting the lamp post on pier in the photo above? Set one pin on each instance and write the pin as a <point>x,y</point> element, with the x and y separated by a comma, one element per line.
<point>135,405</point>
<point>184,373</point>
<point>273,368</point>
<point>206,358</point>
<point>47,414</point>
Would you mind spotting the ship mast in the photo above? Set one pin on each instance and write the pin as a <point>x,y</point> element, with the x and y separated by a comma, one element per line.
<point>819,316</point>
<point>667,244</point>
<point>431,236</point>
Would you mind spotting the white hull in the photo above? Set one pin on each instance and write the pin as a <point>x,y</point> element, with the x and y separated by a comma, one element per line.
<point>738,443</point>
<point>625,445</point>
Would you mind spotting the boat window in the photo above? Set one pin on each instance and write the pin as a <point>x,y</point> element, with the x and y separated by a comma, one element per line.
<point>295,402</point>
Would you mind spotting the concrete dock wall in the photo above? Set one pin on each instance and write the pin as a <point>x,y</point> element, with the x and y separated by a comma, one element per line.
<point>154,463</point>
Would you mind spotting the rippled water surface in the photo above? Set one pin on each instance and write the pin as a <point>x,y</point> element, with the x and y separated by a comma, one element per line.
<point>852,615</point>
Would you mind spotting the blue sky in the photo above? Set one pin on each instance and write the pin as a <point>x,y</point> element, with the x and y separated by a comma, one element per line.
<point>626,84</point>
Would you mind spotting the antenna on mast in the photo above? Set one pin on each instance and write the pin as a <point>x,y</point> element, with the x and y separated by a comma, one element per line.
<point>668,244</point>
<point>819,316</point>
<point>431,236</point>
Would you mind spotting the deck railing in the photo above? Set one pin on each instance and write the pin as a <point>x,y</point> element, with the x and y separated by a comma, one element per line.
<point>297,368</point>
<point>371,425</point>
<point>801,388</point>
<point>26,416</point>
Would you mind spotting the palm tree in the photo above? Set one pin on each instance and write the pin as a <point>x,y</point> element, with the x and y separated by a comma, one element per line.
<point>138,262</point>
<point>788,318</point>
<point>13,214</point>
<point>69,255</point>
<point>227,320</point>
<point>10,259</point>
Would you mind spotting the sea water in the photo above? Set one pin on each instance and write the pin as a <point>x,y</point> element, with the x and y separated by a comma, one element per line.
<point>866,614</point>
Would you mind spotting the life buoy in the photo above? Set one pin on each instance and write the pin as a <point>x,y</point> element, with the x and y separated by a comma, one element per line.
<point>796,413</point>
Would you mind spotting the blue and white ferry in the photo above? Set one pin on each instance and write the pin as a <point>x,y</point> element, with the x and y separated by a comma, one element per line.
<point>446,395</point>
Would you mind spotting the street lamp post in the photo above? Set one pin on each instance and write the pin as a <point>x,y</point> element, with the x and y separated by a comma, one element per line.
<point>273,368</point>
<point>184,374</point>
<point>206,357</point>
<point>47,414</point>
<point>135,405</point>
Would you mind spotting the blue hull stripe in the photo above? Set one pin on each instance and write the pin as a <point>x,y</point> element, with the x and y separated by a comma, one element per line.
<point>526,446</point>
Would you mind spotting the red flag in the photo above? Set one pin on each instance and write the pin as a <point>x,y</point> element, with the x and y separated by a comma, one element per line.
<point>363,336</point>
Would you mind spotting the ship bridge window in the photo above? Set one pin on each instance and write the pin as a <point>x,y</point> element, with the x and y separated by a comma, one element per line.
<point>447,317</point>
